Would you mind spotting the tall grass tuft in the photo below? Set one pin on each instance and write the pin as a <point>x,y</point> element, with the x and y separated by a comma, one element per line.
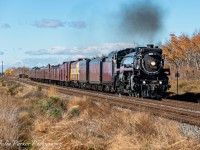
<point>9,125</point>
<point>52,92</point>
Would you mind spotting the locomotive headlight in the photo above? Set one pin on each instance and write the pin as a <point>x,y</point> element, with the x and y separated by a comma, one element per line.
<point>144,82</point>
<point>160,82</point>
<point>153,63</point>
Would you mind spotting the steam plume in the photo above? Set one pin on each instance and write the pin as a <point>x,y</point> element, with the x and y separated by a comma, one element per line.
<point>142,19</point>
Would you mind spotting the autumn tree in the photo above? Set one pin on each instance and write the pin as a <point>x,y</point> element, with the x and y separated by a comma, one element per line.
<point>183,53</point>
<point>8,72</point>
<point>17,71</point>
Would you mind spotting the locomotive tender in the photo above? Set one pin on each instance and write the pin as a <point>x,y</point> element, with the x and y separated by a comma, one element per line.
<point>136,72</point>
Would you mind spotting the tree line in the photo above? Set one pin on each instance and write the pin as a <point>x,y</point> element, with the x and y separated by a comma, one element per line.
<point>182,53</point>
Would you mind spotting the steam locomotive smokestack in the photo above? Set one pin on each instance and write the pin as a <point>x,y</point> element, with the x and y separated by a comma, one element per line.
<point>149,45</point>
<point>142,19</point>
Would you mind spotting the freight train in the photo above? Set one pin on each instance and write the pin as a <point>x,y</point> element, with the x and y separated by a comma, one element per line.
<point>135,72</point>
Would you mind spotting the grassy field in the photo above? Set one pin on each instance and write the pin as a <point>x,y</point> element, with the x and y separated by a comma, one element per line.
<point>185,86</point>
<point>188,90</point>
<point>34,118</point>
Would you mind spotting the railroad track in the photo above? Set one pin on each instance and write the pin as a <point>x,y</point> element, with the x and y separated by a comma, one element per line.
<point>185,112</point>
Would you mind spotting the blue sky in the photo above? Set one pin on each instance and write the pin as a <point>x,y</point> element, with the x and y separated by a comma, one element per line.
<point>38,32</point>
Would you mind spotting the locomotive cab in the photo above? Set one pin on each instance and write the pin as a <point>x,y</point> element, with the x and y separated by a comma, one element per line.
<point>119,55</point>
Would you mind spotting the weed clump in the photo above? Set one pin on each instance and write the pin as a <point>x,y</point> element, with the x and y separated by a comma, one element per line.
<point>74,111</point>
<point>12,88</point>
<point>54,99</point>
<point>55,112</point>
<point>38,88</point>
<point>53,106</point>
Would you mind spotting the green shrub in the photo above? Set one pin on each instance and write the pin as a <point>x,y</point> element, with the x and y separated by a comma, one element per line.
<point>53,106</point>
<point>62,105</point>
<point>54,99</point>
<point>48,104</point>
<point>74,111</point>
<point>91,148</point>
<point>55,112</point>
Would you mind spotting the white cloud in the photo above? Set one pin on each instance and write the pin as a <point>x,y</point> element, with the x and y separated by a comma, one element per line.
<point>60,54</point>
<point>49,23</point>
<point>105,48</point>
<point>85,51</point>
<point>40,62</point>
<point>57,50</point>
<point>53,23</point>
<point>1,53</point>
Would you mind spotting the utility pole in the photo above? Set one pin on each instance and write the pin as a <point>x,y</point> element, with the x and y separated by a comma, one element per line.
<point>2,70</point>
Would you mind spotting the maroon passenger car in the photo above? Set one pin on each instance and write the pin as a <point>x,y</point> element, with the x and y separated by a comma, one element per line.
<point>64,72</point>
<point>55,74</point>
<point>84,71</point>
<point>39,74</point>
<point>47,73</point>
<point>31,74</point>
<point>95,71</point>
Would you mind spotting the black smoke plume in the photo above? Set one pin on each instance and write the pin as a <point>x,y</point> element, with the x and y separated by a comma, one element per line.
<point>142,19</point>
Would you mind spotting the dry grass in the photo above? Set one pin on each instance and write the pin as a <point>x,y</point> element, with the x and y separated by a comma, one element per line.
<point>9,126</point>
<point>185,86</point>
<point>48,121</point>
<point>101,127</point>
<point>12,89</point>
<point>52,92</point>
<point>15,113</point>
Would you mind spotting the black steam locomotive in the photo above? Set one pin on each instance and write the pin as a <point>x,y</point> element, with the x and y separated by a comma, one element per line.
<point>141,73</point>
